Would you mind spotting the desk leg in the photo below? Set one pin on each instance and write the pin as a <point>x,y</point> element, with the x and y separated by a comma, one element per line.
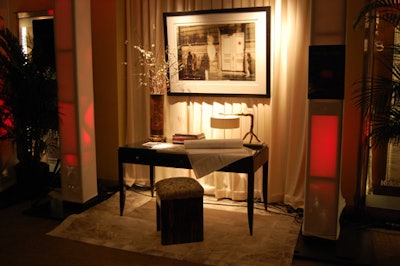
<point>250,200</point>
<point>152,179</point>
<point>122,190</point>
<point>265,185</point>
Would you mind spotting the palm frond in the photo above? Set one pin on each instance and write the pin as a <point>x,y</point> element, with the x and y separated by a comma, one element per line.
<point>387,10</point>
<point>386,127</point>
<point>379,95</point>
<point>376,96</point>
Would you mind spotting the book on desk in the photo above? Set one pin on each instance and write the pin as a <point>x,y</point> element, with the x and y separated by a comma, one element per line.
<point>179,138</point>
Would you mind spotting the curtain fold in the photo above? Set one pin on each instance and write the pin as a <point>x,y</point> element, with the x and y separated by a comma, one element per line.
<point>280,121</point>
<point>289,101</point>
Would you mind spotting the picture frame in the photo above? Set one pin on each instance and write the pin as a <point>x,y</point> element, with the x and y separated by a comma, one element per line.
<point>219,52</point>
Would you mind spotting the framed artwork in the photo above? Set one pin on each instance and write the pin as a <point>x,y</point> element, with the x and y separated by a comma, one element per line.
<point>224,52</point>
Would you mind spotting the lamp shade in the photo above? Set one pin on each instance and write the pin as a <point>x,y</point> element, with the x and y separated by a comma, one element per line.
<point>225,121</point>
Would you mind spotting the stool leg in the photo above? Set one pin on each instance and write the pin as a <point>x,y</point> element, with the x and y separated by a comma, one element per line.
<point>158,217</point>
<point>167,222</point>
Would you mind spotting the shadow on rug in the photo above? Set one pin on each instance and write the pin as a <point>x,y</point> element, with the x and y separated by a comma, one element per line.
<point>226,233</point>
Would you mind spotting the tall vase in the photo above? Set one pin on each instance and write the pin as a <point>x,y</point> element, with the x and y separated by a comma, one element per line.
<point>157,118</point>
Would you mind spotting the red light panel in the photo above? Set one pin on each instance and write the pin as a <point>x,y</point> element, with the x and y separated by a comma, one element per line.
<point>71,160</point>
<point>324,145</point>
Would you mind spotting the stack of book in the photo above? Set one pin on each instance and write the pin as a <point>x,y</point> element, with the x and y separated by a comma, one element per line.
<point>179,138</point>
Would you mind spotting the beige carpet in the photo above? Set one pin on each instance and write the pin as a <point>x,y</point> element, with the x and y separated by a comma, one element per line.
<point>226,232</point>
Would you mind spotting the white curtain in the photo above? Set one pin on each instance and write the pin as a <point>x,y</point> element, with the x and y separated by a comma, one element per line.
<point>280,121</point>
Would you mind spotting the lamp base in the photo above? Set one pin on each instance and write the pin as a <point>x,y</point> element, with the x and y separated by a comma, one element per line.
<point>251,134</point>
<point>254,146</point>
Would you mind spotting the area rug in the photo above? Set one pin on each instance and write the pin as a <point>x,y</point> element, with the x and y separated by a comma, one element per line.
<point>226,233</point>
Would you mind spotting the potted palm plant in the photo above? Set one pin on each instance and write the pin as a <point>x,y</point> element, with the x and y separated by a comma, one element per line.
<point>379,93</point>
<point>28,92</point>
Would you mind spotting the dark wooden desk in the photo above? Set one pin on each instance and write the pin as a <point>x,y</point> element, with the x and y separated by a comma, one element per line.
<point>177,158</point>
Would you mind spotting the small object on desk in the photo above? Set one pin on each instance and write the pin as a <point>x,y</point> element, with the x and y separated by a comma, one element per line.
<point>162,145</point>
<point>150,144</point>
<point>179,138</point>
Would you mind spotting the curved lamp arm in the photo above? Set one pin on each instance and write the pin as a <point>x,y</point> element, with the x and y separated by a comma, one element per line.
<point>251,132</point>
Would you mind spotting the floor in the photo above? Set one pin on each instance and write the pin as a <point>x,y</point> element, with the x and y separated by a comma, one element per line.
<point>354,247</point>
<point>367,237</point>
<point>23,240</point>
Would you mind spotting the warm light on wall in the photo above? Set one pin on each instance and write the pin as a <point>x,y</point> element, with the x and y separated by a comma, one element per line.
<point>324,145</point>
<point>24,37</point>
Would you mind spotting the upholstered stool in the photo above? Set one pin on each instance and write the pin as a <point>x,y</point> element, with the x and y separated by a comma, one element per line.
<point>179,210</point>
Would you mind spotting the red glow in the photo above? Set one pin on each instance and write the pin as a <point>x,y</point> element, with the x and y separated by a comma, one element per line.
<point>323,146</point>
<point>50,12</point>
<point>69,139</point>
<point>71,160</point>
<point>7,120</point>
<point>89,116</point>
<point>87,140</point>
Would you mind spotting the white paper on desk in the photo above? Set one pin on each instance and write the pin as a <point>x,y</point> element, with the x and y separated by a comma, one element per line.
<point>207,156</point>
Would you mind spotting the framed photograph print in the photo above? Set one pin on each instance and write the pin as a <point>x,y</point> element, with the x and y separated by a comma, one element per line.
<point>224,52</point>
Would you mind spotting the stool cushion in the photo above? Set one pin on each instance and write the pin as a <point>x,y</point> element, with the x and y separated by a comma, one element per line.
<point>178,188</point>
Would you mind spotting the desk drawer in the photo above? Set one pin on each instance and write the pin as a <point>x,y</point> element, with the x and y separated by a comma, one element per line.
<point>172,160</point>
<point>153,157</point>
<point>136,156</point>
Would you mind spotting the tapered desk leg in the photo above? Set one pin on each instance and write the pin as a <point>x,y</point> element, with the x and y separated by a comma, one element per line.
<point>121,188</point>
<point>265,185</point>
<point>152,180</point>
<point>250,200</point>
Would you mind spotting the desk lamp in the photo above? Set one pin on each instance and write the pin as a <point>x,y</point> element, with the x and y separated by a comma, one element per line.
<point>223,121</point>
<point>229,121</point>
